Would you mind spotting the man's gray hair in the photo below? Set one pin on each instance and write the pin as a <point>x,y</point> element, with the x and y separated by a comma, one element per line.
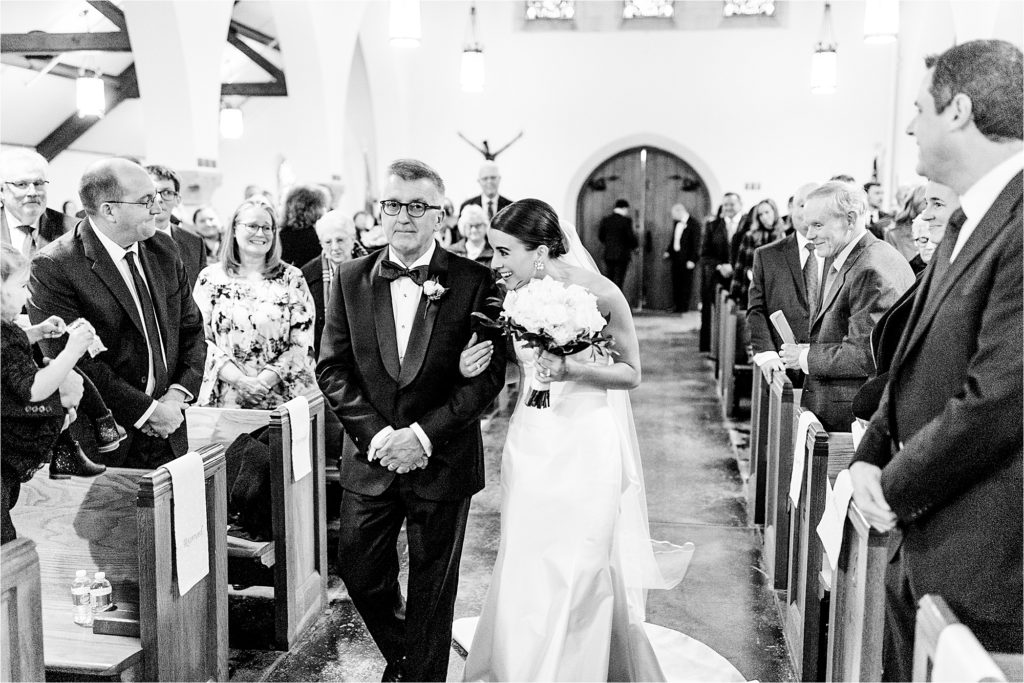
<point>19,155</point>
<point>413,169</point>
<point>843,198</point>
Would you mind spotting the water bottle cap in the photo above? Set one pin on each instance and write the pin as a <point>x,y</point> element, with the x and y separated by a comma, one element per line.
<point>101,575</point>
<point>80,574</point>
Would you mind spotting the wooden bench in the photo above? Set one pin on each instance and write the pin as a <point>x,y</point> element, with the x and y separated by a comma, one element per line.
<point>717,308</point>
<point>826,455</point>
<point>120,522</point>
<point>760,399</point>
<point>857,605</point>
<point>933,617</point>
<point>21,615</point>
<point>778,470</point>
<point>295,562</point>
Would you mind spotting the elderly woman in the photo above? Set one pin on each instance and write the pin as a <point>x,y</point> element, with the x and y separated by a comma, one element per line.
<point>304,206</point>
<point>473,228</point>
<point>337,234</point>
<point>258,316</point>
<point>901,234</point>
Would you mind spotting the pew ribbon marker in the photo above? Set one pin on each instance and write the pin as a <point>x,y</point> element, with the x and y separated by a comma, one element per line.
<point>960,657</point>
<point>799,454</point>
<point>833,519</point>
<point>191,542</point>
<point>302,456</point>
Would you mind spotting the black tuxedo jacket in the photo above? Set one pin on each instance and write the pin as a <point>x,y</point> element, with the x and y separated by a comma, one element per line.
<point>617,236</point>
<point>689,244</point>
<point>777,285</point>
<point>74,277</point>
<point>53,225</point>
<point>839,362</point>
<point>479,201</point>
<point>947,433</point>
<point>714,248</point>
<point>313,271</point>
<point>364,384</point>
<point>192,251</point>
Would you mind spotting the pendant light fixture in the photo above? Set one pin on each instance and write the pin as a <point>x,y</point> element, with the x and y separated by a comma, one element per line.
<point>473,74</point>
<point>405,23</point>
<point>90,96</point>
<point>232,123</point>
<point>824,64</point>
<point>881,21</point>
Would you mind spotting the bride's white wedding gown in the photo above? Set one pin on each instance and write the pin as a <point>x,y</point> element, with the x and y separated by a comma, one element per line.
<point>566,600</point>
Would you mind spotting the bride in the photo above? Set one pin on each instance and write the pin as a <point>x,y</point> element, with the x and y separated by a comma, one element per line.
<point>566,599</point>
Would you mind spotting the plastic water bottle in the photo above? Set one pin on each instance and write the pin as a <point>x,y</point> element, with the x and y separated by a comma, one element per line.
<point>81,599</point>
<point>100,593</point>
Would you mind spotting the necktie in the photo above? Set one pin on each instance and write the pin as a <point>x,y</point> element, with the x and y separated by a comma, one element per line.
<point>389,270</point>
<point>152,331</point>
<point>28,245</point>
<point>830,274</point>
<point>811,280</point>
<point>956,221</point>
<point>490,210</point>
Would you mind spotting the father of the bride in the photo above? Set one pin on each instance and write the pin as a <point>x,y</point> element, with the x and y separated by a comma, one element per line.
<point>389,367</point>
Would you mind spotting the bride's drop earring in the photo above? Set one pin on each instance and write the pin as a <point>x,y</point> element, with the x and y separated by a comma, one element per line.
<point>538,266</point>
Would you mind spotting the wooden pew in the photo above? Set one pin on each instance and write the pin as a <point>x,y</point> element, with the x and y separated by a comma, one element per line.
<point>298,554</point>
<point>121,523</point>
<point>718,307</point>
<point>933,617</point>
<point>778,469</point>
<point>857,604</point>
<point>826,455</point>
<point>760,395</point>
<point>21,615</point>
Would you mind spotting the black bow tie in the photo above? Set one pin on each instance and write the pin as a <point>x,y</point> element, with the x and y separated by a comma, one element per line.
<point>389,270</point>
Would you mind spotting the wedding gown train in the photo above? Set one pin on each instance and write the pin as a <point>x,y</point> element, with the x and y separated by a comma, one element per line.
<point>566,600</point>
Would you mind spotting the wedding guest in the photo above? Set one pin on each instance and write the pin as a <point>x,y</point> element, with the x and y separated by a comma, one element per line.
<point>369,232</point>
<point>716,266</point>
<point>941,458</point>
<point>337,235</point>
<point>682,255</point>
<point>489,198</point>
<point>25,221</point>
<point>258,316</point>
<point>879,221</point>
<point>448,232</point>
<point>190,247</point>
<point>619,239</point>
<point>765,228</point>
<point>303,207</point>
<point>208,226</point>
<point>473,228</point>
<point>863,277</point>
<point>900,233</point>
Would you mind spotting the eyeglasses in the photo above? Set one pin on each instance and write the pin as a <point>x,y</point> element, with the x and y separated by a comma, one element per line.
<point>415,209</point>
<point>148,201</point>
<point>23,185</point>
<point>168,195</point>
<point>253,228</point>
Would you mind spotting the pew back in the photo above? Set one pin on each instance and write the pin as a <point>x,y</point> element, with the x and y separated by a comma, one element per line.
<point>121,523</point>
<point>778,470</point>
<point>21,613</point>
<point>727,358</point>
<point>760,395</point>
<point>717,312</point>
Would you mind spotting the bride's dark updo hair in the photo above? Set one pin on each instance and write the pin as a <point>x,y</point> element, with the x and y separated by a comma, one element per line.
<point>533,223</point>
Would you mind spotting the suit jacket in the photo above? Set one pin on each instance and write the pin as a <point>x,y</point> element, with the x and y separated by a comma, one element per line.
<point>714,248</point>
<point>689,243</point>
<point>313,271</point>
<point>192,251</point>
<point>484,258</point>
<point>74,277</point>
<point>365,385</point>
<point>947,433</point>
<point>53,225</point>
<point>777,285</point>
<point>617,236</point>
<point>872,278</point>
<point>479,199</point>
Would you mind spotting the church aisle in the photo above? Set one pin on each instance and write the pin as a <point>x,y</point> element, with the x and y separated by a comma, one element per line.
<point>694,494</point>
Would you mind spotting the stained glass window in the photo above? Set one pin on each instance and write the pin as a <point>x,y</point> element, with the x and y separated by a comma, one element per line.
<point>659,9</point>
<point>550,9</point>
<point>749,8</point>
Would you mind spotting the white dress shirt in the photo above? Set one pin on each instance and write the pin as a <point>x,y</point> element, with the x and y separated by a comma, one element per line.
<point>731,225</point>
<point>677,238</point>
<point>976,202</point>
<point>17,236</point>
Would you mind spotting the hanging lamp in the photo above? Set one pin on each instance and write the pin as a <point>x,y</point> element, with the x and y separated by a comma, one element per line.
<point>473,74</point>
<point>824,63</point>
<point>90,96</point>
<point>232,123</point>
<point>405,23</point>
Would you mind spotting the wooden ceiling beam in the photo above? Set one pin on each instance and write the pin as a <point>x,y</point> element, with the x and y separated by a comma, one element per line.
<point>40,42</point>
<point>252,34</point>
<point>112,12</point>
<point>260,61</point>
<point>272,89</point>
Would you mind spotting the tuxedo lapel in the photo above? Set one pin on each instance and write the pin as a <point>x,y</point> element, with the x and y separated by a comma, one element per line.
<point>384,319</point>
<point>107,272</point>
<point>423,325</point>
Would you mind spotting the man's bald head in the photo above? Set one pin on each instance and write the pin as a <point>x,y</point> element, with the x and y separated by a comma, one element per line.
<point>797,213</point>
<point>104,180</point>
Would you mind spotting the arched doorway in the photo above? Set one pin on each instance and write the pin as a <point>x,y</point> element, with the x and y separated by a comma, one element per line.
<point>652,180</point>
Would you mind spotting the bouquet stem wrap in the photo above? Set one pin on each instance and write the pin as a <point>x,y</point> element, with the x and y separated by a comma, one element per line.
<point>540,393</point>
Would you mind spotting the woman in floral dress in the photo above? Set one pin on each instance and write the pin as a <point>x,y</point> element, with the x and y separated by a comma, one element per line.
<point>259,317</point>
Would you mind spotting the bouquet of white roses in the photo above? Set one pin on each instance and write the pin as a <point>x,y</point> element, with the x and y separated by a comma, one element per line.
<point>553,317</point>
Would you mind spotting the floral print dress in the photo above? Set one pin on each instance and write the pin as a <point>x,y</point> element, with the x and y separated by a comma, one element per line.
<point>258,324</point>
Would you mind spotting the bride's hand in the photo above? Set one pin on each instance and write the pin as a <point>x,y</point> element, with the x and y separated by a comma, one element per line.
<point>475,357</point>
<point>551,367</point>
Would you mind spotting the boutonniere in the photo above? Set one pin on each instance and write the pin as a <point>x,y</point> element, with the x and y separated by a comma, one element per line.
<point>433,289</point>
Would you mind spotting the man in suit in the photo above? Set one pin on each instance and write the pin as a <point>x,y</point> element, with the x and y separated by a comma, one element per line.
<point>941,458</point>
<point>489,198</point>
<point>785,278</point>
<point>25,222</point>
<point>878,220</point>
<point>715,259</point>
<point>619,240</point>
<point>389,367</point>
<point>863,277</point>
<point>190,247</point>
<point>682,255</point>
<point>112,271</point>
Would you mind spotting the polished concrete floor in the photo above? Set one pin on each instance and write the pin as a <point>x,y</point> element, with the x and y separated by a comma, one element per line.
<point>693,492</point>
